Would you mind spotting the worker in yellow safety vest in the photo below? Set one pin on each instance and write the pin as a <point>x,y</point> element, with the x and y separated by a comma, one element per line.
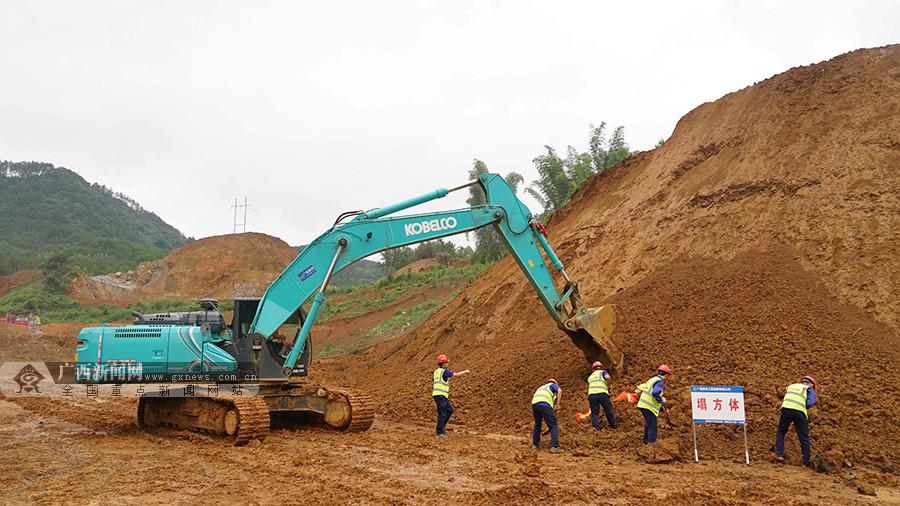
<point>440,391</point>
<point>543,405</point>
<point>652,401</point>
<point>798,398</point>
<point>598,396</point>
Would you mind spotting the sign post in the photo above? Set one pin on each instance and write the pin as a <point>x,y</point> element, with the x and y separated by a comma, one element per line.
<point>718,404</point>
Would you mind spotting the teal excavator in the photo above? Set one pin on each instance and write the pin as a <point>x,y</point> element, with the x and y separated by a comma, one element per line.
<point>194,347</point>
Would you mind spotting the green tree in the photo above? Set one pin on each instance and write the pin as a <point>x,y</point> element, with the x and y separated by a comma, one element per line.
<point>435,248</point>
<point>559,178</point>
<point>578,166</point>
<point>397,257</point>
<point>553,187</point>
<point>617,149</point>
<point>597,147</point>
<point>58,273</point>
<point>489,246</point>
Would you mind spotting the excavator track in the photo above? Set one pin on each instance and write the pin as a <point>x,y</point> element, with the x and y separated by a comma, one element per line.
<point>253,419</point>
<point>342,408</point>
<point>362,409</point>
<point>243,418</point>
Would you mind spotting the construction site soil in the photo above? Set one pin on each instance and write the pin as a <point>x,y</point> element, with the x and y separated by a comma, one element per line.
<point>221,267</point>
<point>759,243</point>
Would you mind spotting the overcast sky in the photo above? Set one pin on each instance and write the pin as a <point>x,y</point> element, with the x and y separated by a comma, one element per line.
<point>313,108</point>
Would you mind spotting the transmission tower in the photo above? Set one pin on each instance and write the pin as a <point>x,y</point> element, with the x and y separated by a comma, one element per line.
<point>242,224</point>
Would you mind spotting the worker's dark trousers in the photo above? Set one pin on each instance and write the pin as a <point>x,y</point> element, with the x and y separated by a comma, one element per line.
<point>544,413</point>
<point>445,410</point>
<point>801,424</point>
<point>649,426</point>
<point>596,401</point>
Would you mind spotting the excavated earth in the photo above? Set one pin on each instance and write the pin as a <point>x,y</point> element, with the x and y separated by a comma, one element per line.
<point>221,267</point>
<point>759,243</point>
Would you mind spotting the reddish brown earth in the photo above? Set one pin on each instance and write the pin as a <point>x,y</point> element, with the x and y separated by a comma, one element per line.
<point>219,267</point>
<point>758,244</point>
<point>91,452</point>
<point>16,279</point>
<point>420,265</point>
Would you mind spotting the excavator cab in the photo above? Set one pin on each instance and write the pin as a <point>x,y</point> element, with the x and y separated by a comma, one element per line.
<point>266,356</point>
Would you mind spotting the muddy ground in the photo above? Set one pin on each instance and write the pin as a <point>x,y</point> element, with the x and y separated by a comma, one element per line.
<point>91,452</point>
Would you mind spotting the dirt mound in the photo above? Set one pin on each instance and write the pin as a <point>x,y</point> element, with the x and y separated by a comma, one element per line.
<point>222,267</point>
<point>758,320</point>
<point>758,243</point>
<point>16,279</point>
<point>807,158</point>
<point>423,264</point>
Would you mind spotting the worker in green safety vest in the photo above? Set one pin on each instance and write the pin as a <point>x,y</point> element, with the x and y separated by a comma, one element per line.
<point>652,401</point>
<point>798,398</point>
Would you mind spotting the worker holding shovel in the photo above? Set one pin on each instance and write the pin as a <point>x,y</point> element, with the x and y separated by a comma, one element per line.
<point>543,403</point>
<point>652,401</point>
<point>440,391</point>
<point>798,398</point>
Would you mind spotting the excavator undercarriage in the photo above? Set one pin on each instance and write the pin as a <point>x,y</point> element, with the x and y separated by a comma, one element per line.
<point>247,417</point>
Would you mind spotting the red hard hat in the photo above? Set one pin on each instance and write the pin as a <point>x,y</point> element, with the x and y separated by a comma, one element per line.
<point>442,359</point>
<point>810,379</point>
<point>664,368</point>
<point>551,380</point>
<point>597,364</point>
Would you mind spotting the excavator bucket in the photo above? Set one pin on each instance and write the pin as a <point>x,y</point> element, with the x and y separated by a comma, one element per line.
<point>599,322</point>
<point>594,330</point>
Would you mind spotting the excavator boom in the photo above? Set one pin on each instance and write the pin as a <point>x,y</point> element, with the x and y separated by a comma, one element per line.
<point>370,232</point>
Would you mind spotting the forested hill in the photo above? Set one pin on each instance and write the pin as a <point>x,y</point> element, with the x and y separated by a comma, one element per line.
<point>46,210</point>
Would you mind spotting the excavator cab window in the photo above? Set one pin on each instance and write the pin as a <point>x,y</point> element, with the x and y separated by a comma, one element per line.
<point>244,311</point>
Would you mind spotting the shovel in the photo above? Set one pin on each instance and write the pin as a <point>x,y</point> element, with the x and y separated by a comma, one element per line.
<point>669,424</point>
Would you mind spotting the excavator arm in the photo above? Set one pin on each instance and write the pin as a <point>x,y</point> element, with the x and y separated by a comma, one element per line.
<point>369,232</point>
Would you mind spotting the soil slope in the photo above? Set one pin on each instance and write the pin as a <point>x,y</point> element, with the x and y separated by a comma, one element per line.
<point>222,267</point>
<point>17,279</point>
<point>759,243</point>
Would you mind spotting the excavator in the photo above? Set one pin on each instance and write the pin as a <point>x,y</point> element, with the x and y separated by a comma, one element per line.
<point>194,347</point>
